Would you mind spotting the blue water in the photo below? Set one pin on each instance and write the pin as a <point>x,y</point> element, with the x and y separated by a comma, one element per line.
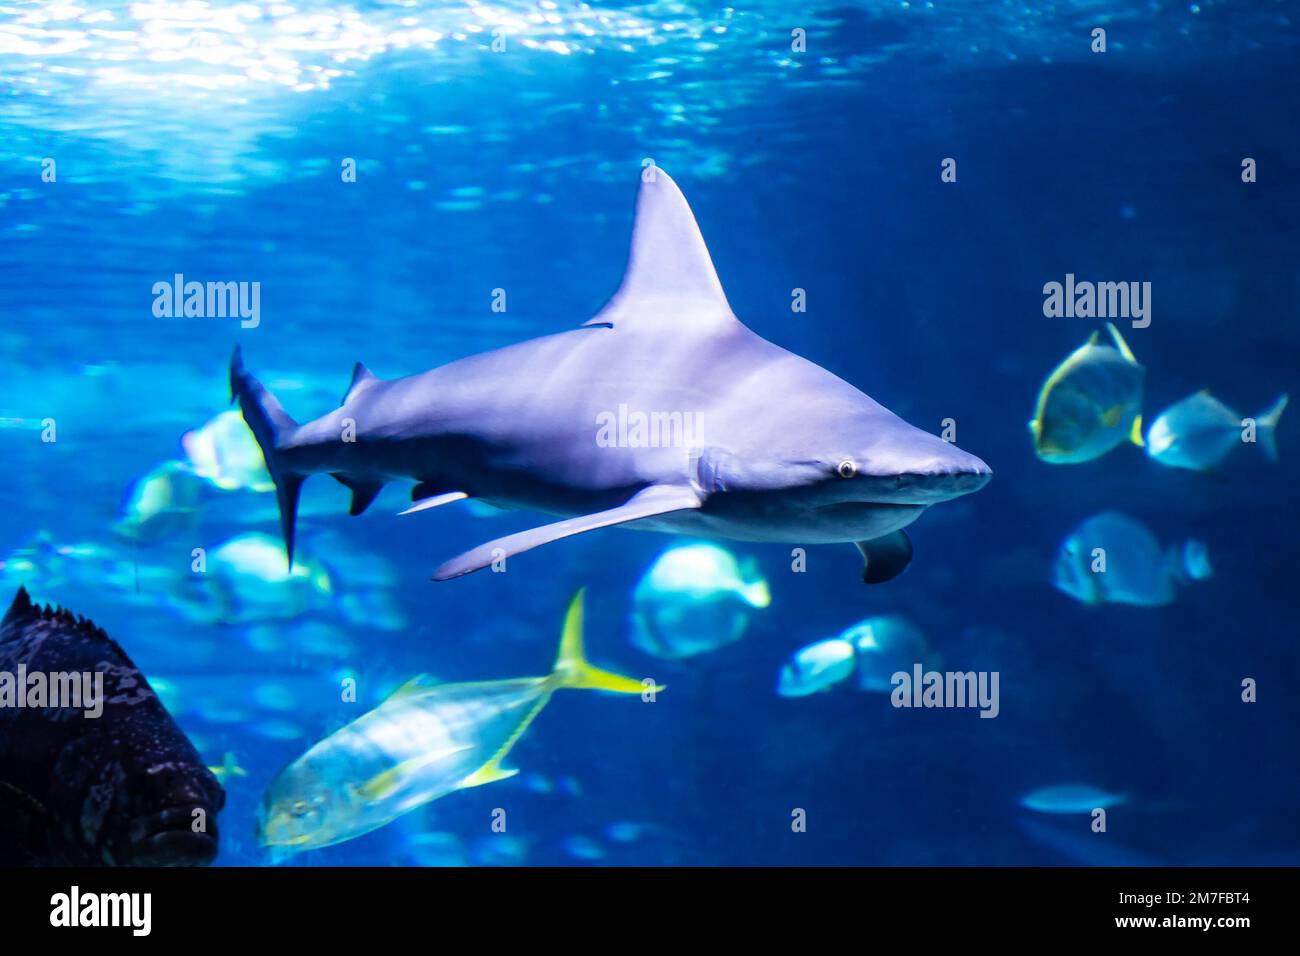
<point>207,140</point>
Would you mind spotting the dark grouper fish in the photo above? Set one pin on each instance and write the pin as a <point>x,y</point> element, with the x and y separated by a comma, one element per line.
<point>124,788</point>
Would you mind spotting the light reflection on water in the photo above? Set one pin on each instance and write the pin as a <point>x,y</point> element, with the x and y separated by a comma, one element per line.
<point>139,79</point>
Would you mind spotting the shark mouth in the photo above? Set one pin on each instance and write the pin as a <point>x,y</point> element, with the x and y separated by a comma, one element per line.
<point>919,489</point>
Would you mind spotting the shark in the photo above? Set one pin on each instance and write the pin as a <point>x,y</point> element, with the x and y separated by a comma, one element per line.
<point>663,412</point>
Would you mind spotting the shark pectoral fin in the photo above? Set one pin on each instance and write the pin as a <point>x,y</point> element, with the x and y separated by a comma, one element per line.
<point>651,501</point>
<point>885,558</point>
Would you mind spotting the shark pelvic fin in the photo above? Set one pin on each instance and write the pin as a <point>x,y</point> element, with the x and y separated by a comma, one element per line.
<point>670,277</point>
<point>651,501</point>
<point>885,558</point>
<point>363,492</point>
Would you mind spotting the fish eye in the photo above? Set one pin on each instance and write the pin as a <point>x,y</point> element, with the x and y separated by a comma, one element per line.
<point>847,468</point>
<point>300,808</point>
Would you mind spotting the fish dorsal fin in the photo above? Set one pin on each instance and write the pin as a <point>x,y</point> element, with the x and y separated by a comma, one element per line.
<point>362,379</point>
<point>1120,343</point>
<point>22,608</point>
<point>416,685</point>
<point>670,278</point>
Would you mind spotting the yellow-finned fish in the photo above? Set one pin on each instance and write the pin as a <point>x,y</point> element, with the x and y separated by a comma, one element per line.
<point>1090,403</point>
<point>423,742</point>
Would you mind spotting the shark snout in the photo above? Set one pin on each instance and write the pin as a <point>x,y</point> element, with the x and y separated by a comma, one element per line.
<point>955,463</point>
<point>929,470</point>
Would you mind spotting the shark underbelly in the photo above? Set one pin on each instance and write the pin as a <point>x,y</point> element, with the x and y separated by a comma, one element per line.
<point>828,525</point>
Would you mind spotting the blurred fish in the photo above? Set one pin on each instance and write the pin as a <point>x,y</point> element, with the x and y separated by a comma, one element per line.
<point>884,646</point>
<point>628,831</point>
<point>435,849</point>
<point>422,743</point>
<point>249,581</point>
<point>1070,798</point>
<point>1090,403</point>
<point>537,783</point>
<point>372,608</point>
<point>499,849</point>
<point>816,668</point>
<point>309,640</point>
<point>1199,431</point>
<point>276,729</point>
<point>582,848</point>
<point>695,598</point>
<point>228,769</point>
<point>45,567</point>
<point>1086,848</point>
<point>225,697</point>
<point>124,788</point>
<point>162,503</point>
<point>1136,570</point>
<point>224,452</point>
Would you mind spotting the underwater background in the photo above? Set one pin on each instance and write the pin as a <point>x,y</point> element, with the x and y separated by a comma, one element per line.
<point>208,139</point>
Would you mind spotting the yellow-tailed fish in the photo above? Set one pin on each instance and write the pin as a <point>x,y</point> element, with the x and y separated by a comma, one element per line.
<point>423,742</point>
<point>1090,403</point>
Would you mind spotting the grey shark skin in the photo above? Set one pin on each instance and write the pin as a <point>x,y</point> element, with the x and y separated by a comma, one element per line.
<point>781,450</point>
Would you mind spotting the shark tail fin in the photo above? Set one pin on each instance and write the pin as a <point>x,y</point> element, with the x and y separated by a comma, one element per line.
<point>572,670</point>
<point>1267,422</point>
<point>272,427</point>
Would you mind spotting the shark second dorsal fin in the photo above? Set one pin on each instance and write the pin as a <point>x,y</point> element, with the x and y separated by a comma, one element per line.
<point>362,379</point>
<point>670,278</point>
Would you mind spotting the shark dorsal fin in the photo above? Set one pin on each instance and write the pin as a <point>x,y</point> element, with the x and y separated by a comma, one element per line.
<point>670,278</point>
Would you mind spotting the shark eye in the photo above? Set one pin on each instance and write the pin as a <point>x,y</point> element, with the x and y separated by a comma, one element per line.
<point>847,468</point>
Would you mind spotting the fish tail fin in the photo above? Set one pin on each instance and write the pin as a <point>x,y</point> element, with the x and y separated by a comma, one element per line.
<point>1194,561</point>
<point>572,670</point>
<point>754,590</point>
<point>272,427</point>
<point>1135,433</point>
<point>1265,425</point>
<point>758,594</point>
